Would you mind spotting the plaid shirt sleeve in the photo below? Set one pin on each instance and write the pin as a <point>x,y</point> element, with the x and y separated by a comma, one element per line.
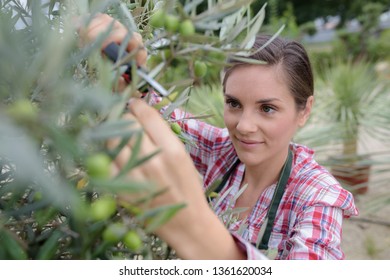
<point>317,235</point>
<point>313,208</point>
<point>251,252</point>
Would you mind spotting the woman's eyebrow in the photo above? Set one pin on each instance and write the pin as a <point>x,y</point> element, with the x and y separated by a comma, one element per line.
<point>263,100</point>
<point>267,100</point>
<point>229,96</point>
<point>260,101</point>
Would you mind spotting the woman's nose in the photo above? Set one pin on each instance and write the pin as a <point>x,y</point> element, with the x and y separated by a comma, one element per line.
<point>246,123</point>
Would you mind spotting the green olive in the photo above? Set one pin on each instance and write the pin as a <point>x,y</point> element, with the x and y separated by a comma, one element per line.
<point>158,19</point>
<point>200,69</point>
<point>176,128</point>
<point>132,240</point>
<point>172,23</point>
<point>22,110</point>
<point>98,166</point>
<point>187,28</point>
<point>103,208</point>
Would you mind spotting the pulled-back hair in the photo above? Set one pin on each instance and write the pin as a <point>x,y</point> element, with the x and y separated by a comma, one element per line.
<point>292,58</point>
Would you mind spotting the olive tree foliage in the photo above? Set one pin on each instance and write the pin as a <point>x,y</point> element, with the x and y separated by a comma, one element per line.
<point>59,104</point>
<point>310,10</point>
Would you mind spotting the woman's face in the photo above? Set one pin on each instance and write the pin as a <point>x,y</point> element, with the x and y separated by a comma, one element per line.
<point>260,113</point>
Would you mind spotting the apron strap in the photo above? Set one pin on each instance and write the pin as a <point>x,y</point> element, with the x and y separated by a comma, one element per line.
<point>266,228</point>
<point>225,177</point>
<point>265,232</point>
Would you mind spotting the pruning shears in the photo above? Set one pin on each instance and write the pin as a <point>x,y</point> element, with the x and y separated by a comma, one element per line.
<point>112,52</point>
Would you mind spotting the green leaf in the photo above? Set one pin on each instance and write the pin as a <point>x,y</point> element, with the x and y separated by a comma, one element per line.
<point>112,129</point>
<point>134,161</point>
<point>232,26</point>
<point>10,245</point>
<point>126,185</point>
<point>127,17</point>
<point>156,217</point>
<point>222,9</point>
<point>271,39</point>
<point>49,248</point>
<point>179,101</point>
<point>192,5</point>
<point>249,40</point>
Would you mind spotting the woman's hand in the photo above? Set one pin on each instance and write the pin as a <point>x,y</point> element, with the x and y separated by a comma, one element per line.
<point>195,232</point>
<point>101,23</point>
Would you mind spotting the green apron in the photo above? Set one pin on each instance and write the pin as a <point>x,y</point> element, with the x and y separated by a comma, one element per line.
<point>266,228</point>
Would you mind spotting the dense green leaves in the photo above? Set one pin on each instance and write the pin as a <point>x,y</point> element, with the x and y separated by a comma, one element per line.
<point>59,105</point>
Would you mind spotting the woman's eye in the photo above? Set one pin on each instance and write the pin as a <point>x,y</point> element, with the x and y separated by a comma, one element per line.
<point>232,103</point>
<point>267,109</point>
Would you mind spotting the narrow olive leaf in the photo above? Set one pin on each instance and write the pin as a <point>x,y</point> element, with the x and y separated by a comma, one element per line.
<point>22,151</point>
<point>200,39</point>
<point>112,129</point>
<point>232,26</point>
<point>210,25</point>
<point>27,209</point>
<point>117,185</point>
<point>127,18</point>
<point>157,217</point>
<point>237,210</point>
<point>43,216</point>
<point>186,139</point>
<point>191,6</point>
<point>271,39</point>
<point>11,246</point>
<point>134,161</point>
<point>207,45</point>
<point>115,152</point>
<point>240,192</point>
<point>242,228</point>
<point>220,198</point>
<point>232,213</point>
<point>249,40</point>
<point>212,187</point>
<point>96,7</point>
<point>49,248</point>
<point>179,101</point>
<point>63,141</point>
<point>80,54</point>
<point>221,10</point>
<point>51,6</point>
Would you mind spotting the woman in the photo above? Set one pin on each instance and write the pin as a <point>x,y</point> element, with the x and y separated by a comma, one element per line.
<point>264,106</point>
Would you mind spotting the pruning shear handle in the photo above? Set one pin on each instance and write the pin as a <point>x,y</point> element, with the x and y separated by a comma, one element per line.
<point>112,52</point>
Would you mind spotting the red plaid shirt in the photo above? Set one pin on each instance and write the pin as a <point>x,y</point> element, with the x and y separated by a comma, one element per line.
<point>308,223</point>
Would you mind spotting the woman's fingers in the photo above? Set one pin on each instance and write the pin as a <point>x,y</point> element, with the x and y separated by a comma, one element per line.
<point>175,161</point>
<point>136,43</point>
<point>102,23</point>
<point>146,148</point>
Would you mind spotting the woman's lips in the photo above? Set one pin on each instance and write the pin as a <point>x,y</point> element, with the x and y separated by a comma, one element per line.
<point>249,143</point>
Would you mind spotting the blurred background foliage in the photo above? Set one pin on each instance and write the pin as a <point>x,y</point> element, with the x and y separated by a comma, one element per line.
<point>58,106</point>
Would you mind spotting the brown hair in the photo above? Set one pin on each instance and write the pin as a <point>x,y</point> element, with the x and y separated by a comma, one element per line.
<point>289,54</point>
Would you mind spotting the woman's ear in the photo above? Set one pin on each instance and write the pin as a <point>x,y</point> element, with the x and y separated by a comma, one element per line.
<point>305,113</point>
